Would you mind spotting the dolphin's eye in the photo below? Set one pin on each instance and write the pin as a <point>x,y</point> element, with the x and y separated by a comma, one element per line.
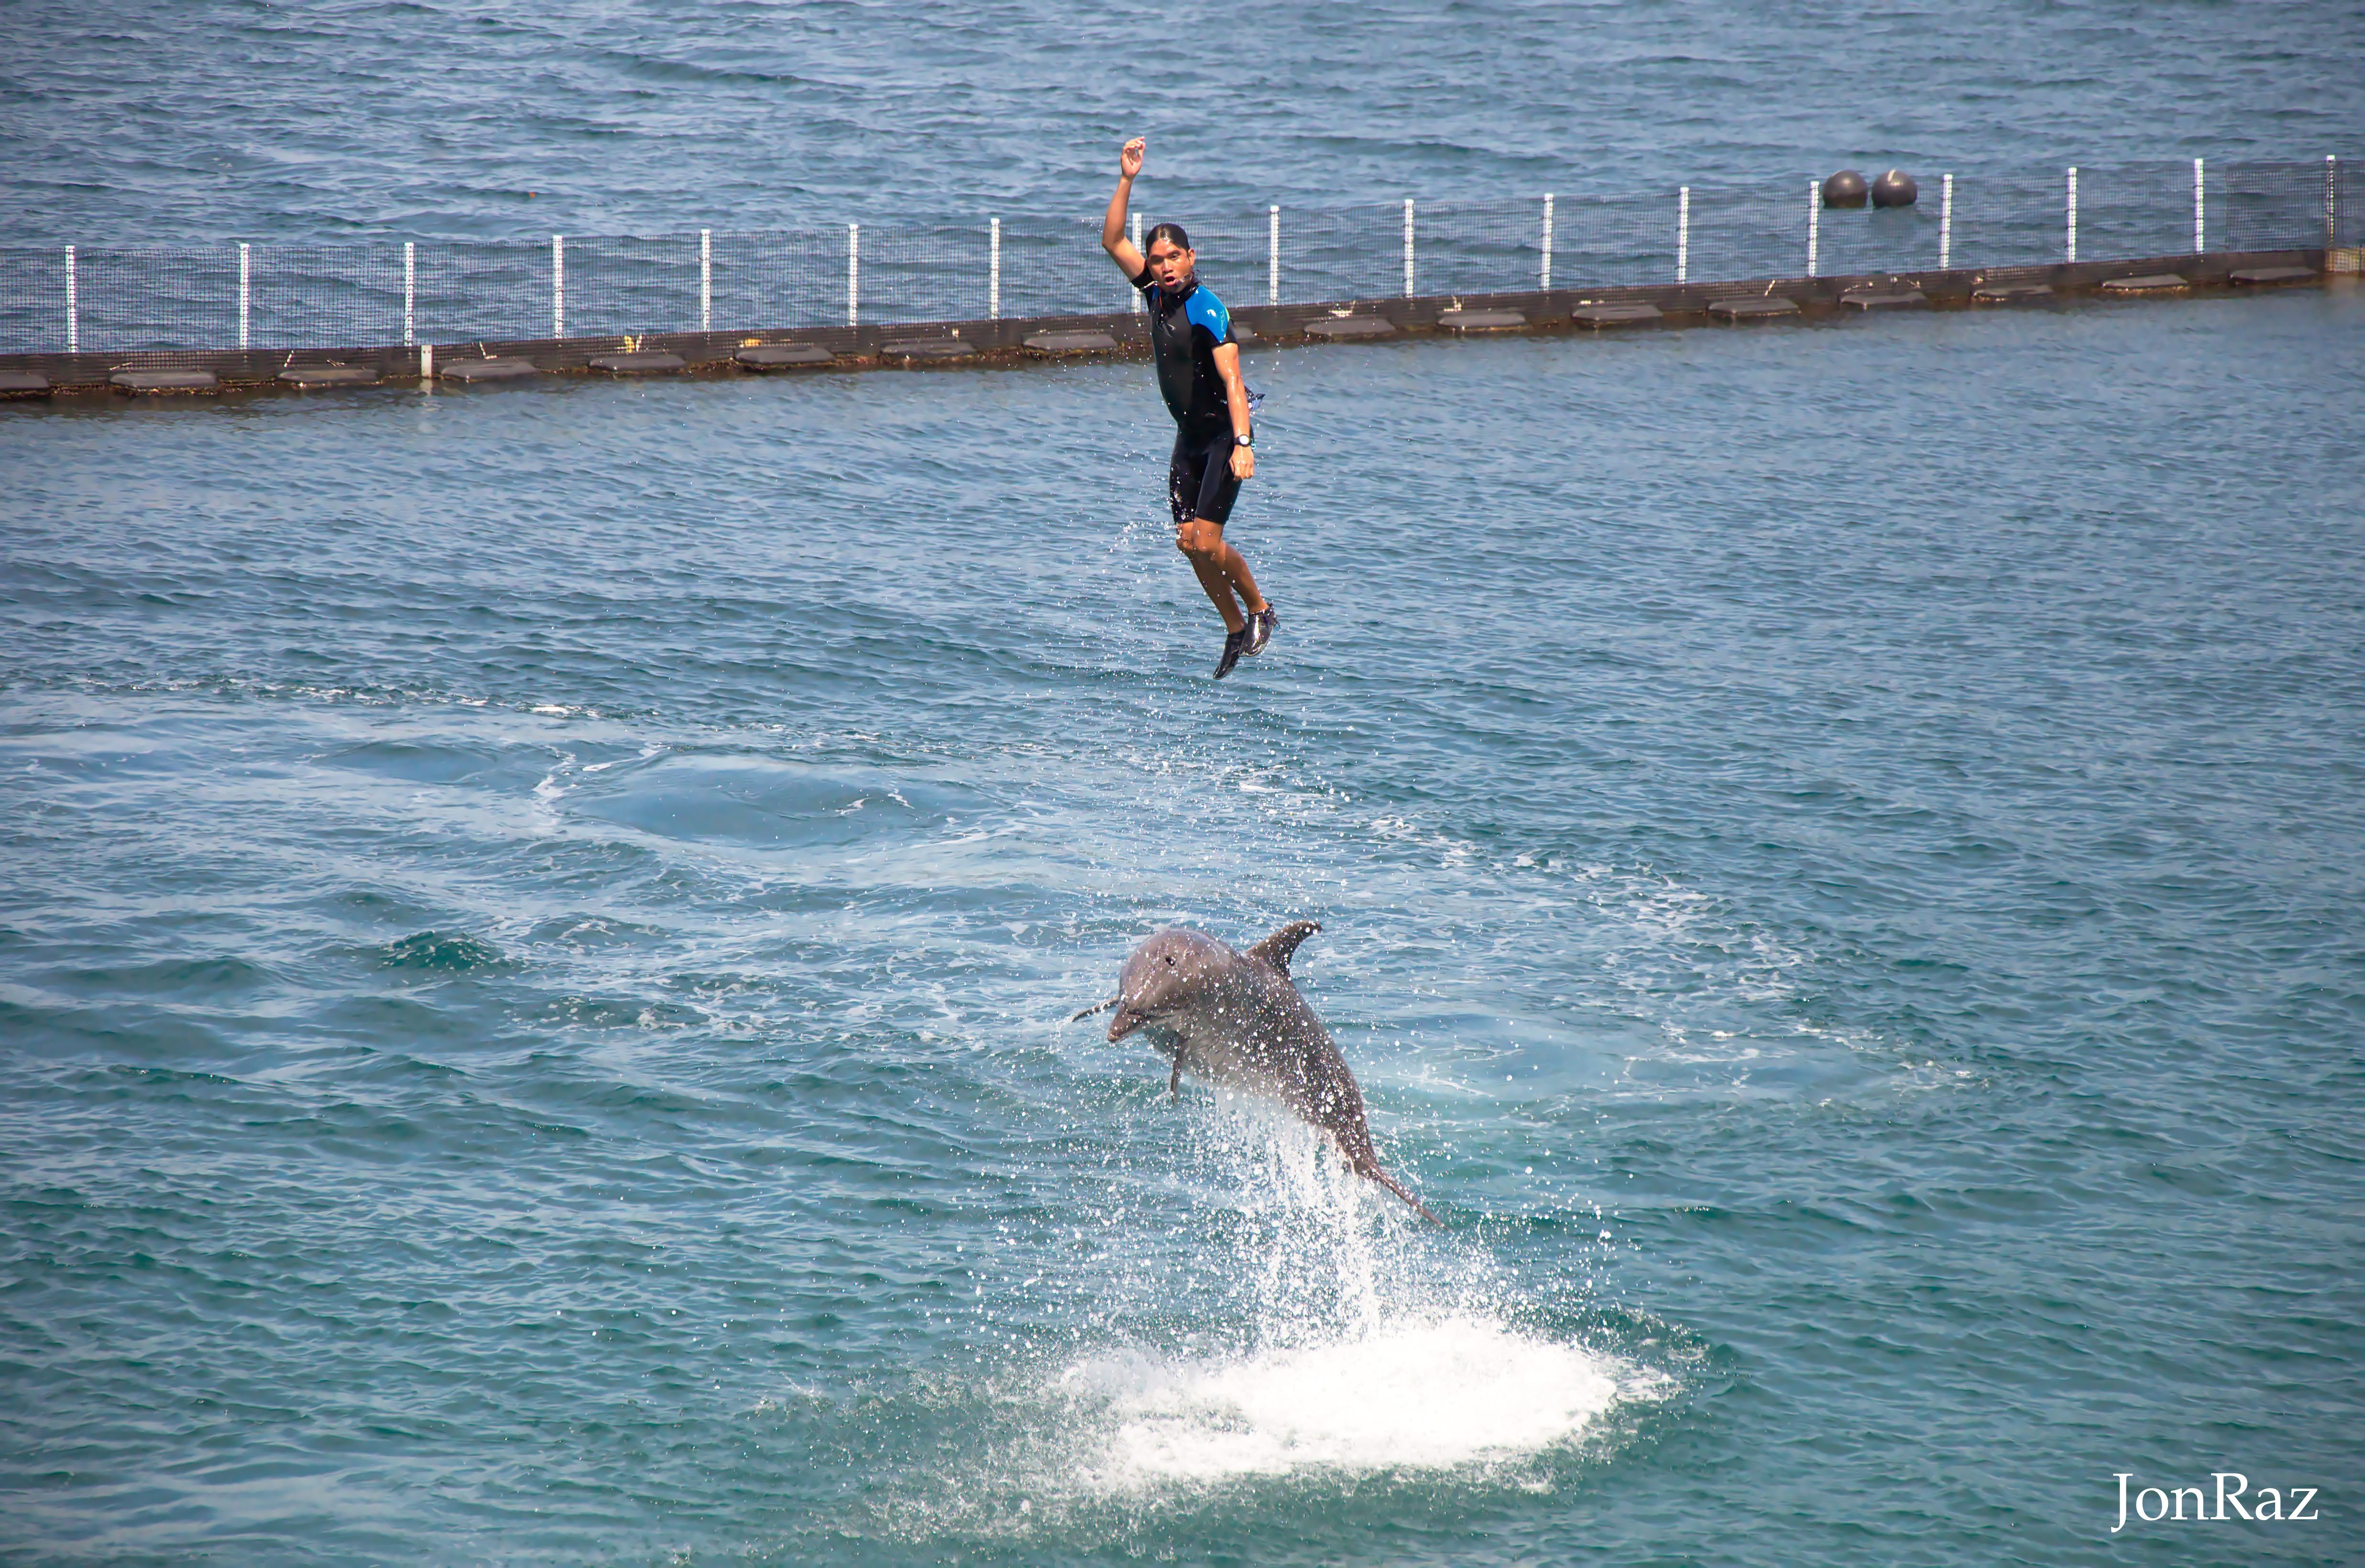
<point>1170,957</point>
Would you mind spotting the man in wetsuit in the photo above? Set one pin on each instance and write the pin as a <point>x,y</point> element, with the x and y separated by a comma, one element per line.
<point>1199,373</point>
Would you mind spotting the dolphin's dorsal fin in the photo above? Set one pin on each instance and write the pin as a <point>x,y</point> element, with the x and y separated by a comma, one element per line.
<point>1276,948</point>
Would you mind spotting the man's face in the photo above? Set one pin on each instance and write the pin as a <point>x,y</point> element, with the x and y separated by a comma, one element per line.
<point>1170,263</point>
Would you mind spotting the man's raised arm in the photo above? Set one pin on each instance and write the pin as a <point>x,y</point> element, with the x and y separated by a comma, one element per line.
<point>1122,250</point>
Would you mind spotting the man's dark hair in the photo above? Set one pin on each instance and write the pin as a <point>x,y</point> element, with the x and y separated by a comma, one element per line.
<point>1166,231</point>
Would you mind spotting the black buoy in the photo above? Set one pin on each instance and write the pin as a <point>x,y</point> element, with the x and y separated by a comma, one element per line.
<point>1844,189</point>
<point>1895,188</point>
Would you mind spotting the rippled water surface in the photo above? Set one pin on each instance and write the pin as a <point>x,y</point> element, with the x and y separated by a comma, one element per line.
<point>153,121</point>
<point>538,927</point>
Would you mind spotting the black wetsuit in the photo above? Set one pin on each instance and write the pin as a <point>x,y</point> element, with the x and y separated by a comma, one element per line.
<point>1186,327</point>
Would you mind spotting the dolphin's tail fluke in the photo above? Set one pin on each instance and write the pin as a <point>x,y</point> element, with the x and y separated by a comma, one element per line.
<point>1095,1007</point>
<point>1393,1185</point>
<point>1367,1167</point>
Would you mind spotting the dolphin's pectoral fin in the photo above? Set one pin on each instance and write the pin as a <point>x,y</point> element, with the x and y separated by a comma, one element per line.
<point>1174,1078</point>
<point>1276,948</point>
<point>1095,1007</point>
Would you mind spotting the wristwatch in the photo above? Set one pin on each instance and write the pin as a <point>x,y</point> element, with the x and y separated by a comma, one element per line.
<point>1243,441</point>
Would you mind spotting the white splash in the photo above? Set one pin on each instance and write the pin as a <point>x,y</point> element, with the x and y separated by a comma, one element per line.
<point>1424,1395</point>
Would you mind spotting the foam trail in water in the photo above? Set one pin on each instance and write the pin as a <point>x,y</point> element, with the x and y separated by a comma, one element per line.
<point>1370,1345</point>
<point>1414,1394</point>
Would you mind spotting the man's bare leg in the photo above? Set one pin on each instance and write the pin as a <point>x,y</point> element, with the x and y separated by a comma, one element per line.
<point>1219,592</point>
<point>1235,568</point>
<point>1221,571</point>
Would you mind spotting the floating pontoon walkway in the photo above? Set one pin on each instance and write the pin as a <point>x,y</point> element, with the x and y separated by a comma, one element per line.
<point>1742,303</point>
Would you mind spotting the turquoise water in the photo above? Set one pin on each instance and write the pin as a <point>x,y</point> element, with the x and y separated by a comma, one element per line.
<point>147,122</point>
<point>538,928</point>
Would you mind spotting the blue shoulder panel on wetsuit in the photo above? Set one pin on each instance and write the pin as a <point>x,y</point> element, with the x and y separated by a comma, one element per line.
<point>1203,309</point>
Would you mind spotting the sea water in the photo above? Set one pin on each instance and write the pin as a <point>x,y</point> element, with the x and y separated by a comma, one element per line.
<point>171,121</point>
<point>540,926</point>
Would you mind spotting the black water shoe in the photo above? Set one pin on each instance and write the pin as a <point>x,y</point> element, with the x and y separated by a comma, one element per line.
<point>1260,625</point>
<point>1235,643</point>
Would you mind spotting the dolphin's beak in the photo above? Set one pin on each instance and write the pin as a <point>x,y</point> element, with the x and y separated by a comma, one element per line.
<point>1126,1022</point>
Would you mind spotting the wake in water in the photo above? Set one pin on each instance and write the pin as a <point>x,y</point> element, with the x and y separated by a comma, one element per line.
<point>1328,1337</point>
<point>1428,1394</point>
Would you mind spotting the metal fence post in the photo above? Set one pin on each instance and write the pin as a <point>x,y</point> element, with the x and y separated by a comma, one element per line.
<point>1408,247</point>
<point>427,364</point>
<point>1138,303</point>
<point>1272,255</point>
<point>306,321</point>
<point>1946,222</point>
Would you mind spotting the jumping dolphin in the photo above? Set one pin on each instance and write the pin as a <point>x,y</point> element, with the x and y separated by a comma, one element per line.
<point>1237,1019</point>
